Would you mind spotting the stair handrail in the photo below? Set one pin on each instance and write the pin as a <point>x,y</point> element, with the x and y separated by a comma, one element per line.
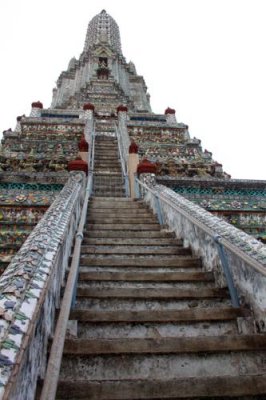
<point>44,258</point>
<point>256,265</point>
<point>56,352</point>
<point>122,159</point>
<point>69,298</point>
<point>92,149</point>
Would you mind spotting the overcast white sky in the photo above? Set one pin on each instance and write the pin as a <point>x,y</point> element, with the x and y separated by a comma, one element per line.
<point>205,58</point>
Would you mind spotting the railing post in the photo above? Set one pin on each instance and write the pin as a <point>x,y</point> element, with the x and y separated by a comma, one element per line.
<point>137,191</point>
<point>159,210</point>
<point>227,272</point>
<point>127,185</point>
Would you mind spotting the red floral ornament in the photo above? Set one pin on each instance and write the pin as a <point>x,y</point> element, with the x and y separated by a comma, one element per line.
<point>122,108</point>
<point>146,167</point>
<point>78,165</point>
<point>37,104</point>
<point>169,111</point>
<point>133,148</point>
<point>88,106</point>
<point>83,145</point>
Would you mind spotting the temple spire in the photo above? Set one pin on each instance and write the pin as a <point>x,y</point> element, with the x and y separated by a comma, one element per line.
<point>103,29</point>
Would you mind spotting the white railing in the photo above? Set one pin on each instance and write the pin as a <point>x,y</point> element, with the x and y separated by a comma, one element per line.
<point>207,234</point>
<point>123,155</point>
<point>30,293</point>
<point>53,367</point>
<point>69,299</point>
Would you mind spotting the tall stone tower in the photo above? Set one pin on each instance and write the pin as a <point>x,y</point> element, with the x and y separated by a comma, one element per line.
<point>101,75</point>
<point>152,305</point>
<point>34,157</point>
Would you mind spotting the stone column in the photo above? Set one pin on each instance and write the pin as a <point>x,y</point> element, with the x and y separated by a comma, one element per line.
<point>36,109</point>
<point>88,111</point>
<point>122,113</point>
<point>146,171</point>
<point>83,149</point>
<point>18,126</point>
<point>170,116</point>
<point>133,161</point>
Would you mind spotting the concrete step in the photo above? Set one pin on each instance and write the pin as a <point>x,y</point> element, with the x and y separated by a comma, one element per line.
<point>114,205</point>
<point>107,168</point>
<point>141,261</point>
<point>122,220</point>
<point>155,330</point>
<point>161,366</point>
<point>151,389</point>
<point>123,213</point>
<point>151,293</point>
<point>132,242</point>
<point>111,174</point>
<point>165,345</point>
<point>126,227</point>
<point>127,276</point>
<point>118,193</point>
<point>162,316</point>
<point>152,250</point>
<point>106,156</point>
<point>107,161</point>
<point>88,233</point>
<point>104,164</point>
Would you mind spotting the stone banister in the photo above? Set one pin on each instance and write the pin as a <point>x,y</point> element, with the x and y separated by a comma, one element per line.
<point>30,293</point>
<point>201,230</point>
<point>123,136</point>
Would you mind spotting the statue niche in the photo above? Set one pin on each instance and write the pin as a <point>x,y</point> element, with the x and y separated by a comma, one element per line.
<point>103,70</point>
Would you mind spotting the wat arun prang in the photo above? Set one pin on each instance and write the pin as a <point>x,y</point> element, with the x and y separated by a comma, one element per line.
<point>35,156</point>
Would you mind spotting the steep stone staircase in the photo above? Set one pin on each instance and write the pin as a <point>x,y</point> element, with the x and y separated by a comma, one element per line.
<point>108,179</point>
<point>151,323</point>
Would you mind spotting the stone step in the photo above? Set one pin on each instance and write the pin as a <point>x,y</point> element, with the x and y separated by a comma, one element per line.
<point>105,156</point>
<point>109,193</point>
<point>105,139</point>
<point>101,148</point>
<point>152,293</point>
<point>132,242</point>
<point>100,164</point>
<point>155,330</point>
<point>88,233</point>
<point>141,261</point>
<point>161,366</point>
<point>127,200</point>
<point>127,276</point>
<point>111,174</point>
<point>115,205</point>
<point>111,186</point>
<point>107,150</point>
<point>162,316</point>
<point>101,304</point>
<point>123,213</point>
<point>165,345</point>
<point>107,161</point>
<point>151,389</point>
<point>104,169</point>
<point>126,227</point>
<point>123,220</point>
<point>152,250</point>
